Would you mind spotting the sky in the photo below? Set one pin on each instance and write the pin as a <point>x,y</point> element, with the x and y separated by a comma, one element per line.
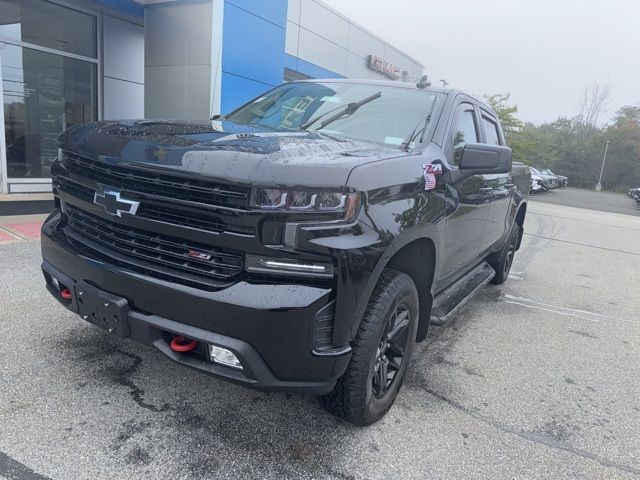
<point>542,52</point>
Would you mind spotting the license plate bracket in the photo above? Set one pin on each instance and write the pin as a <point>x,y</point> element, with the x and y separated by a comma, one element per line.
<point>103,309</point>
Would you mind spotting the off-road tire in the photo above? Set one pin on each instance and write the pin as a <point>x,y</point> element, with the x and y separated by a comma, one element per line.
<point>502,261</point>
<point>353,398</point>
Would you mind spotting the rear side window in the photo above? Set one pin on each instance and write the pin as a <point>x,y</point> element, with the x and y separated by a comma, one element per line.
<point>490,131</point>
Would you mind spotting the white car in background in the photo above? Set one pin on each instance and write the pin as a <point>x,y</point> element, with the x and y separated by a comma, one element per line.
<point>538,183</point>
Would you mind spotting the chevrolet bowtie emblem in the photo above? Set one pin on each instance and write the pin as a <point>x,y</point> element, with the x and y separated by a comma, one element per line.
<point>114,204</point>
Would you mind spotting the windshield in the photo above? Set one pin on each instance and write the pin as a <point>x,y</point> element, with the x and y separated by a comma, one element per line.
<point>377,113</point>
<point>535,171</point>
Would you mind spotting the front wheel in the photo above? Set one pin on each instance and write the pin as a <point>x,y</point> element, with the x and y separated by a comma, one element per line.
<point>381,352</point>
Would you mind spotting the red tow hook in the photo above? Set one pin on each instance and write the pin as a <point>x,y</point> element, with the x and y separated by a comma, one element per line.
<point>66,294</point>
<point>181,344</point>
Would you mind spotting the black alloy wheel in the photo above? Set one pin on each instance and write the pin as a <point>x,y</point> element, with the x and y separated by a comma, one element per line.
<point>390,352</point>
<point>502,261</point>
<point>511,252</point>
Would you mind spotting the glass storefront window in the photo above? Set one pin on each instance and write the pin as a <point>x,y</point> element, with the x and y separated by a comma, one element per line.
<point>44,94</point>
<point>49,25</point>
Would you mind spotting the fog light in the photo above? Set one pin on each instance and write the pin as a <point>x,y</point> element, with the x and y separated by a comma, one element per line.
<point>224,357</point>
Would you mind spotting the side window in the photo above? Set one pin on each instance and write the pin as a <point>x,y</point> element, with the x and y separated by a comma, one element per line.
<point>490,131</point>
<point>464,130</point>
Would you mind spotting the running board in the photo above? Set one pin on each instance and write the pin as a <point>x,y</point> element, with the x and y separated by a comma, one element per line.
<point>449,301</point>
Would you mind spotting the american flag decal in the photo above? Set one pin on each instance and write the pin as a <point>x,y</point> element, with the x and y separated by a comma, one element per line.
<point>429,181</point>
<point>430,172</point>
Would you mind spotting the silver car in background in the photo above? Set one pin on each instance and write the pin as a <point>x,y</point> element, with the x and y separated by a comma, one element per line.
<point>562,180</point>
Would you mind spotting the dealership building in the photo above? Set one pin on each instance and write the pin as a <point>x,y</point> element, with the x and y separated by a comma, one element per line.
<point>63,63</point>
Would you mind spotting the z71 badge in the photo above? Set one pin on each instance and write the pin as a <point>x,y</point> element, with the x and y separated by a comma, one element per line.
<point>430,171</point>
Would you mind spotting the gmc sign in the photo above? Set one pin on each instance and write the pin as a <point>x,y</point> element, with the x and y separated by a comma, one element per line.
<point>388,69</point>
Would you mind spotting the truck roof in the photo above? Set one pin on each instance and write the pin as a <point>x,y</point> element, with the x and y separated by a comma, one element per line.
<point>388,83</point>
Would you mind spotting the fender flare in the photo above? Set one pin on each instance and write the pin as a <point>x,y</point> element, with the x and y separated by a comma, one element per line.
<point>427,232</point>
<point>523,203</point>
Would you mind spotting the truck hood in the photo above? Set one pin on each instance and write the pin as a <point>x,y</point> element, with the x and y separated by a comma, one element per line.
<point>226,151</point>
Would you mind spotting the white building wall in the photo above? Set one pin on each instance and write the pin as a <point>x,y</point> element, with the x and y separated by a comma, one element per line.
<point>183,59</point>
<point>123,69</point>
<point>320,35</point>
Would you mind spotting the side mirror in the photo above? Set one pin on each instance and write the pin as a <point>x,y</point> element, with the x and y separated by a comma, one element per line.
<point>482,158</point>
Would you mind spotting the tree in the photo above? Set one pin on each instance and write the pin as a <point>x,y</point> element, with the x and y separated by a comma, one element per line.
<point>505,113</point>
<point>592,102</point>
<point>623,160</point>
<point>627,115</point>
<point>574,146</point>
<point>562,147</point>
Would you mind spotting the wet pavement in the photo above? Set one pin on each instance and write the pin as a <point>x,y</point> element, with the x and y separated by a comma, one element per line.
<point>537,378</point>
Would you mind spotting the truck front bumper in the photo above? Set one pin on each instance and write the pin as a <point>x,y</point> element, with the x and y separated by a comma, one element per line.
<point>269,327</point>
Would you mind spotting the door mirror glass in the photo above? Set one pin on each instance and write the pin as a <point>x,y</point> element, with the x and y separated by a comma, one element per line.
<point>483,158</point>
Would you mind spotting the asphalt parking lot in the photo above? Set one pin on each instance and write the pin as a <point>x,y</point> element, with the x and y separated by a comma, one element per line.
<point>580,198</point>
<point>537,378</point>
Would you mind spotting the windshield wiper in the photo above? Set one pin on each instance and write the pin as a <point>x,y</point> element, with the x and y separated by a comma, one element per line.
<point>405,145</point>
<point>347,110</point>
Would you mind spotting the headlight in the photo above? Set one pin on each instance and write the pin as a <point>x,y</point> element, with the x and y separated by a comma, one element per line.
<point>268,198</point>
<point>301,200</point>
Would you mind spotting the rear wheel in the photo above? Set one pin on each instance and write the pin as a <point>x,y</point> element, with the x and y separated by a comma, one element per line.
<point>381,352</point>
<point>501,262</point>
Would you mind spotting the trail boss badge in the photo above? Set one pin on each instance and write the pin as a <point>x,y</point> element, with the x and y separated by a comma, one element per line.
<point>430,171</point>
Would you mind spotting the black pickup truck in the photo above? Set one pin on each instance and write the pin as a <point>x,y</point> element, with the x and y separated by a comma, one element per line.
<point>302,243</point>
